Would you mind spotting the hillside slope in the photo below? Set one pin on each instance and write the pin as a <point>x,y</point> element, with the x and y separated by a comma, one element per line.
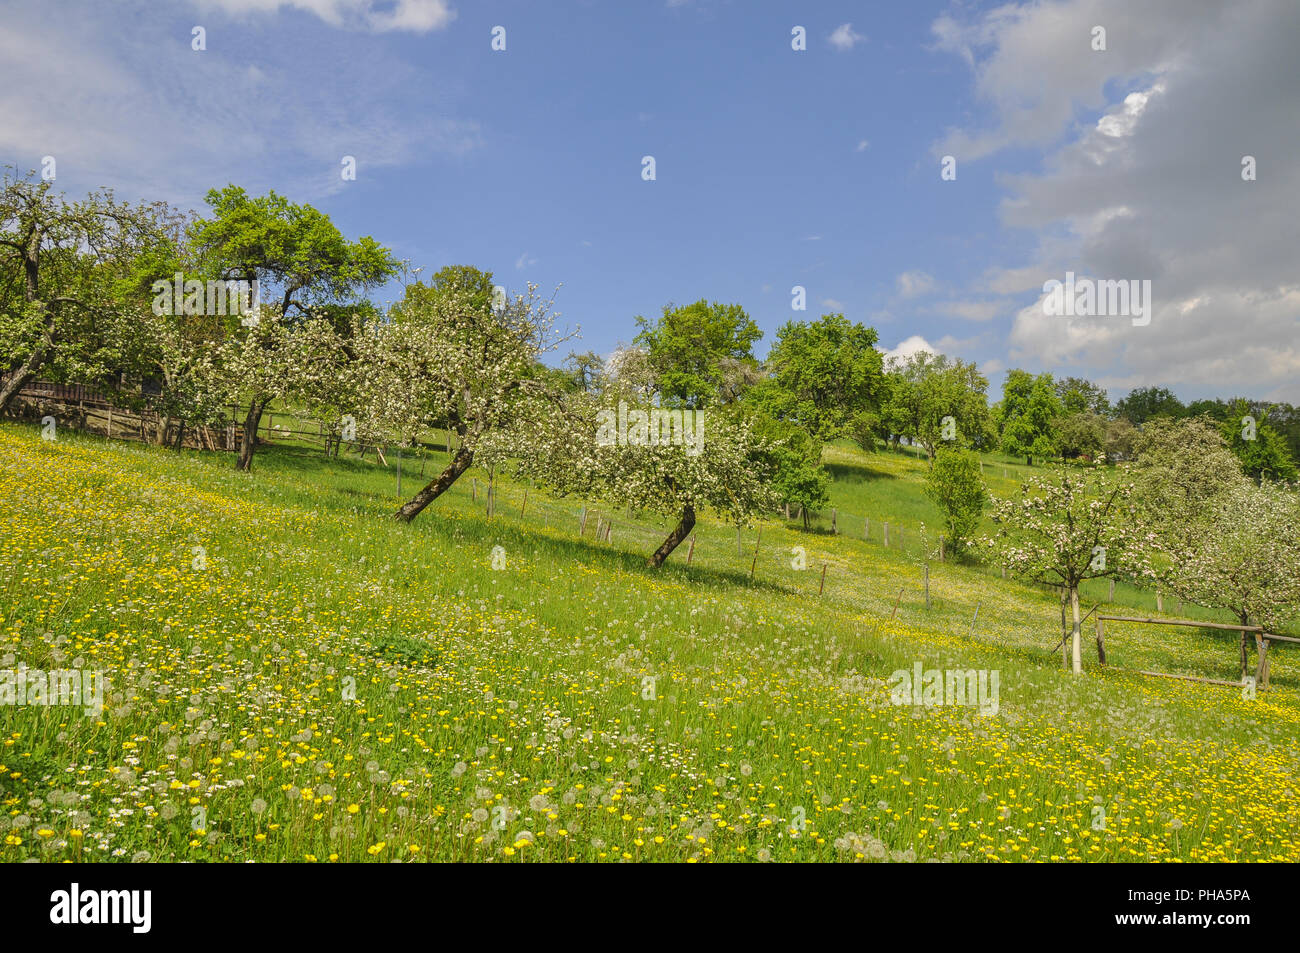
<point>292,675</point>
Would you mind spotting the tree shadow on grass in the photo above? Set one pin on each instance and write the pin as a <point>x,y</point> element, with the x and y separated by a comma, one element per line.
<point>856,473</point>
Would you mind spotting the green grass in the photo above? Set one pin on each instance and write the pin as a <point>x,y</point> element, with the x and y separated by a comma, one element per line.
<point>336,685</point>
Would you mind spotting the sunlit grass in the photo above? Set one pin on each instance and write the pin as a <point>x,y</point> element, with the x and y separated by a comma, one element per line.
<point>510,714</point>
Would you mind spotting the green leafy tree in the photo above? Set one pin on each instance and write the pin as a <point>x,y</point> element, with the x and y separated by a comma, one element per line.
<point>1081,434</point>
<point>1145,403</point>
<point>293,252</point>
<point>823,376</point>
<point>1027,414</point>
<point>1263,452</point>
<point>956,487</point>
<point>935,401</point>
<point>794,459</point>
<point>701,353</point>
<point>1079,395</point>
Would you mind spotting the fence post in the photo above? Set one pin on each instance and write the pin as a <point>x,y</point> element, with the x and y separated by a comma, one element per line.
<point>690,552</point>
<point>833,518</point>
<point>582,527</point>
<point>524,506</point>
<point>1111,597</point>
<point>886,532</point>
<point>822,586</point>
<point>1160,602</point>
<point>739,550</point>
<point>1101,641</point>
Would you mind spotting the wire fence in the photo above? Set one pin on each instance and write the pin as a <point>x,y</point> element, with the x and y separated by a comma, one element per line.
<point>597,522</point>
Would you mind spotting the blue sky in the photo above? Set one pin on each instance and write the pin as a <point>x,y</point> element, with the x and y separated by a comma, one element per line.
<point>774,168</point>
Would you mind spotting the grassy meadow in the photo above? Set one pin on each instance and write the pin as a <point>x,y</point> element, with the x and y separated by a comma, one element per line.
<point>294,676</point>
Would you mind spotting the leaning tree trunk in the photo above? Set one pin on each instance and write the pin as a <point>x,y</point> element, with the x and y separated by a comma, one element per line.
<point>251,423</point>
<point>674,538</point>
<point>20,378</point>
<point>1076,659</point>
<point>459,464</point>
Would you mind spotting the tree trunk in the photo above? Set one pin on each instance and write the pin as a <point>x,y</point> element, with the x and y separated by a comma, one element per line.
<point>1076,659</point>
<point>251,423</point>
<point>1029,461</point>
<point>674,538</point>
<point>21,377</point>
<point>459,464</point>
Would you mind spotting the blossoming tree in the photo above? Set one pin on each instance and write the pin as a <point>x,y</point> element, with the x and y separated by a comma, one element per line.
<point>1074,525</point>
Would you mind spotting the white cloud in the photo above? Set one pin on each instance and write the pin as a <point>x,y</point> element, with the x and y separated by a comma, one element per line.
<point>833,303</point>
<point>844,37</point>
<point>1141,179</point>
<point>863,145</point>
<point>134,106</point>
<point>415,16</point>
<point>525,261</point>
<point>913,284</point>
<point>907,347</point>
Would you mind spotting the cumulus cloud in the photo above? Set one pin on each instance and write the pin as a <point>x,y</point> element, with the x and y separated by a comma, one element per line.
<point>907,347</point>
<point>1141,178</point>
